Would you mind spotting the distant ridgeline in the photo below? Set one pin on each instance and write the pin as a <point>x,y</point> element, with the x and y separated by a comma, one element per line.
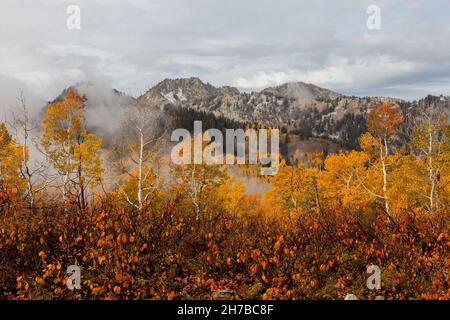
<point>301,111</point>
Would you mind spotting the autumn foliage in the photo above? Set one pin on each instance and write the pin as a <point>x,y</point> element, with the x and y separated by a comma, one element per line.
<point>167,254</point>
<point>312,235</point>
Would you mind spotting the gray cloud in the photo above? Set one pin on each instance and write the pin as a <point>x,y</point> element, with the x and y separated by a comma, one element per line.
<point>10,91</point>
<point>250,44</point>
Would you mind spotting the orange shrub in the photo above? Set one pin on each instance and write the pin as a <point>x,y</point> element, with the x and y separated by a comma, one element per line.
<point>124,254</point>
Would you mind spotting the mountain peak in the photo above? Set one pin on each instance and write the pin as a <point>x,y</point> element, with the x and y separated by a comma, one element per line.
<point>304,91</point>
<point>179,90</point>
<point>298,107</point>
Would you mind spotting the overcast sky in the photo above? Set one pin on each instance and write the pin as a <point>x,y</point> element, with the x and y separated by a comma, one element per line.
<point>251,44</point>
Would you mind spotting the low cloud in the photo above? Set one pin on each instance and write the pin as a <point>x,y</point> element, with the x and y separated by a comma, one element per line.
<point>342,75</point>
<point>251,44</point>
<point>10,91</point>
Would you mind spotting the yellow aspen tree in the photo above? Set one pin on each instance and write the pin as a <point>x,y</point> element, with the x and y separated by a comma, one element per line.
<point>151,187</point>
<point>33,171</point>
<point>235,200</point>
<point>199,183</point>
<point>145,128</point>
<point>342,179</point>
<point>10,155</point>
<point>382,123</point>
<point>431,141</point>
<point>72,151</point>
<point>407,188</point>
<point>286,191</point>
<point>297,187</point>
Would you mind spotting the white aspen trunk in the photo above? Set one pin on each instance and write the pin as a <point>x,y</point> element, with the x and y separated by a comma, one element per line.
<point>194,194</point>
<point>294,201</point>
<point>383,155</point>
<point>141,164</point>
<point>65,182</point>
<point>316,194</point>
<point>430,166</point>
<point>26,172</point>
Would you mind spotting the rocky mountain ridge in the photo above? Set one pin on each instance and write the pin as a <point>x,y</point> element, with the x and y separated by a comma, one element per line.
<point>297,108</point>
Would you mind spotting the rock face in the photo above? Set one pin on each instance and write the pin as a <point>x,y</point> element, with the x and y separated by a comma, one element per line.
<point>275,106</point>
<point>179,91</point>
<point>351,296</point>
<point>301,109</point>
<point>298,108</point>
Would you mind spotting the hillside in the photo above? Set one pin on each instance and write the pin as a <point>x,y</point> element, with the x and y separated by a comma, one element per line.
<point>300,109</point>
